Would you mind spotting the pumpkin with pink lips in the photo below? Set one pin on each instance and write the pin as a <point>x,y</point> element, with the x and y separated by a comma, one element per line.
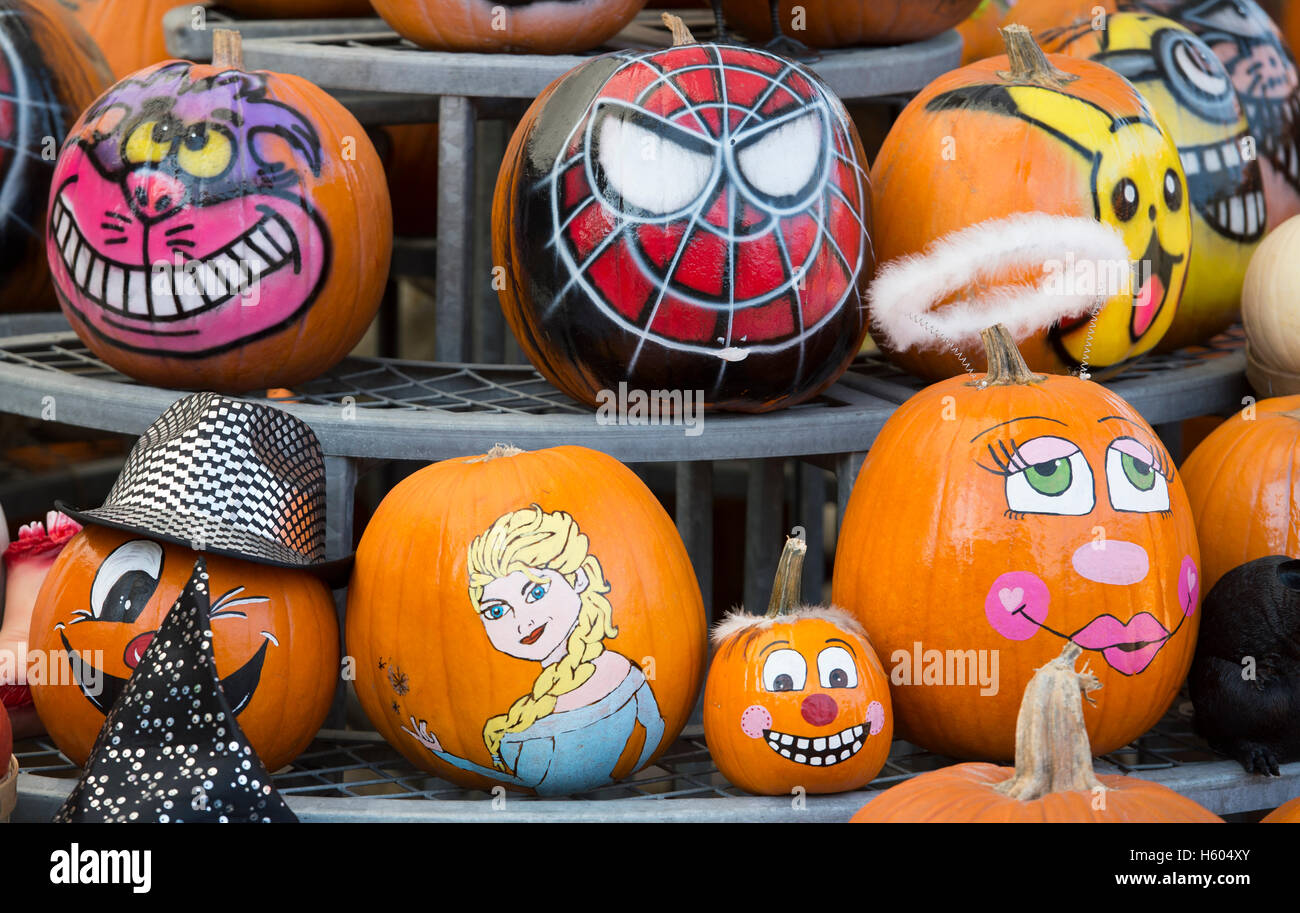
<point>997,516</point>
<point>216,228</point>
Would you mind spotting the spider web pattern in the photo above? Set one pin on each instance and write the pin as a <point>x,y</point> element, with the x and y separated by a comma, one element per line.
<point>736,267</point>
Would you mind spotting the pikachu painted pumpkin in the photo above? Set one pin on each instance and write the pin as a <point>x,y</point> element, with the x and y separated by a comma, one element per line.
<point>1041,509</point>
<point>274,633</point>
<point>1191,92</point>
<point>527,620</point>
<point>796,697</point>
<point>1001,140</point>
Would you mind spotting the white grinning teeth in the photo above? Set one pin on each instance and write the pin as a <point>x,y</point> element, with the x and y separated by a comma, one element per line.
<point>1191,163</point>
<point>70,246</point>
<point>834,741</point>
<point>1212,162</point>
<point>251,259</point>
<point>856,746</point>
<point>802,759</point>
<point>803,744</point>
<point>1231,155</point>
<point>277,234</point>
<point>831,759</point>
<point>114,287</point>
<point>857,731</point>
<point>95,285</point>
<point>815,761</point>
<point>82,269</point>
<point>228,270</point>
<point>785,752</point>
<point>846,754</point>
<point>824,752</point>
<point>1236,216</point>
<point>136,301</point>
<point>787,739</point>
<point>63,225</point>
<point>819,744</point>
<point>163,299</point>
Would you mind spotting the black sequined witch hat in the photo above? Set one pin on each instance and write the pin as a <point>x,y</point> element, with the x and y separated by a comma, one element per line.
<point>228,477</point>
<point>171,750</point>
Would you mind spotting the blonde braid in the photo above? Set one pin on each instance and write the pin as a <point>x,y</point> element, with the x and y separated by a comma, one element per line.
<point>527,540</point>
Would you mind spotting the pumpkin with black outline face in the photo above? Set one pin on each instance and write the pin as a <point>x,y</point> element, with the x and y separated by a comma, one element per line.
<point>530,26</point>
<point>50,70</point>
<point>274,634</point>
<point>216,228</point>
<point>1191,92</point>
<point>1002,139</point>
<point>696,218</point>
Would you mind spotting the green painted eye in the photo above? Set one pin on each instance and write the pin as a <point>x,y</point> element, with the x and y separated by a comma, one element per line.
<point>1050,478</point>
<point>1140,474</point>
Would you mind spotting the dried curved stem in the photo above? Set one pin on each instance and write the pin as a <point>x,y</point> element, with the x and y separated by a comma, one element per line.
<point>788,585</point>
<point>1006,364</point>
<point>1029,65</point>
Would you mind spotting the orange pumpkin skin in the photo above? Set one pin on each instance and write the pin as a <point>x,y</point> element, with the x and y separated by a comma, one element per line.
<point>841,23</point>
<point>301,317</point>
<point>129,32</point>
<point>1287,813</point>
<point>531,27</point>
<point>1240,483</point>
<point>295,621</point>
<point>410,155</point>
<point>1008,582</point>
<point>979,30</point>
<point>300,9</point>
<point>964,793</point>
<point>742,717</point>
<point>424,652</point>
<point>957,157</point>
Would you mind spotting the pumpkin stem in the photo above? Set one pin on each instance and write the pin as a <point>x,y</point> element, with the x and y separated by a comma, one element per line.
<point>681,34</point>
<point>1052,750</point>
<point>1006,364</point>
<point>497,452</point>
<point>788,585</point>
<point>228,49</point>
<point>1029,65</point>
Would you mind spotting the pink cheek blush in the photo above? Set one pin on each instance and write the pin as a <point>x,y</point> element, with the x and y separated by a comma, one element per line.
<point>1189,586</point>
<point>876,716</point>
<point>1016,605</point>
<point>754,721</point>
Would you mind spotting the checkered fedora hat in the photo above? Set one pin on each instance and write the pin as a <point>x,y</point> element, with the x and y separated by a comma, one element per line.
<point>227,477</point>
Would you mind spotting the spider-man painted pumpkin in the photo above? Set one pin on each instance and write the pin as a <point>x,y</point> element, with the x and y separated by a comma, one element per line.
<point>216,228</point>
<point>693,218</point>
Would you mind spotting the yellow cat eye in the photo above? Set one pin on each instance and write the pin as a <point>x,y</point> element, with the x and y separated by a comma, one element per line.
<point>205,151</point>
<point>149,142</point>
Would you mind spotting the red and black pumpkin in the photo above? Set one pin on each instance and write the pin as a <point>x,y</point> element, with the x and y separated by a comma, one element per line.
<point>217,228</point>
<point>693,218</point>
<point>531,26</point>
<point>50,70</point>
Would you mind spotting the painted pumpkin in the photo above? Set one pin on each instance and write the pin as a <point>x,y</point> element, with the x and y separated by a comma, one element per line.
<point>216,228</point>
<point>299,9</point>
<point>796,697</point>
<point>647,239</point>
<point>50,71</point>
<point>1240,485</point>
<point>1053,780</point>
<point>129,32</point>
<point>1020,190</point>
<point>275,635</point>
<point>1190,91</point>
<point>1287,813</point>
<point>528,620</point>
<point>979,31</point>
<point>841,23</point>
<point>532,26</point>
<point>1051,512</point>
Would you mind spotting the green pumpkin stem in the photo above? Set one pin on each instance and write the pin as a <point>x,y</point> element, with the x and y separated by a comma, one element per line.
<point>1029,65</point>
<point>1006,365</point>
<point>681,34</point>
<point>1052,750</point>
<point>788,585</point>
<point>228,49</point>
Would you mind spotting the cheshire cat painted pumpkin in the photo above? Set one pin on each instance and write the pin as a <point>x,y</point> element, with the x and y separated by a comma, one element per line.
<point>129,32</point>
<point>532,26</point>
<point>1053,780</point>
<point>796,697</point>
<point>50,70</point>
<point>653,235</point>
<point>842,23</point>
<point>275,635</point>
<point>1190,91</point>
<point>216,228</point>
<point>528,620</point>
<point>1019,190</point>
<point>998,515</point>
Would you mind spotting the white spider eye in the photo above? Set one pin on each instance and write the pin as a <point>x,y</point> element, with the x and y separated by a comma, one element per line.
<point>125,581</point>
<point>784,670</point>
<point>836,669</point>
<point>652,166</point>
<point>781,159</point>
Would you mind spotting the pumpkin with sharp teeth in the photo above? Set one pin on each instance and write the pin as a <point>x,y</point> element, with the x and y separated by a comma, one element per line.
<point>275,636</point>
<point>796,697</point>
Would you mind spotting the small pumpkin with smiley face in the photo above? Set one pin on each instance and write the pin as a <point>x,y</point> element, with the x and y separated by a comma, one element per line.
<point>796,697</point>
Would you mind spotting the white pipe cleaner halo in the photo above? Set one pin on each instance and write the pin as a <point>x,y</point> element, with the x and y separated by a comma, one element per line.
<point>974,277</point>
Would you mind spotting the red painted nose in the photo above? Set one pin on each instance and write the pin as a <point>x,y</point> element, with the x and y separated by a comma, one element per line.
<point>135,649</point>
<point>819,709</point>
<point>154,194</point>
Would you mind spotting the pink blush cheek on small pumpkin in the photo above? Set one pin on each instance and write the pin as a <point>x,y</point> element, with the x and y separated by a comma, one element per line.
<point>1189,586</point>
<point>1016,604</point>
<point>754,720</point>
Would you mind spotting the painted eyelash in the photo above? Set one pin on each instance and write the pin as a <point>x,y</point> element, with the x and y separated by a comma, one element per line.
<point>1014,514</point>
<point>1010,463</point>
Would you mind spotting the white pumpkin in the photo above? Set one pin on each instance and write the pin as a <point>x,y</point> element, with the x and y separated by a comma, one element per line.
<point>1270,302</point>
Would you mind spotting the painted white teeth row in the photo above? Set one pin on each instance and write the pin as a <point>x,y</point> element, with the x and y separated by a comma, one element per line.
<point>818,752</point>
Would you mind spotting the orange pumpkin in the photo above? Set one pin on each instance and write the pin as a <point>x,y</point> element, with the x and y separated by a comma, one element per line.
<point>996,516</point>
<point>299,9</point>
<point>129,32</point>
<point>275,635</point>
<point>531,26</point>
<point>1287,813</point>
<point>979,30</point>
<point>410,156</point>
<point>194,247</point>
<point>1240,483</point>
<point>1019,191</point>
<point>840,23</point>
<point>1053,780</point>
<point>796,697</point>
<point>526,619</point>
